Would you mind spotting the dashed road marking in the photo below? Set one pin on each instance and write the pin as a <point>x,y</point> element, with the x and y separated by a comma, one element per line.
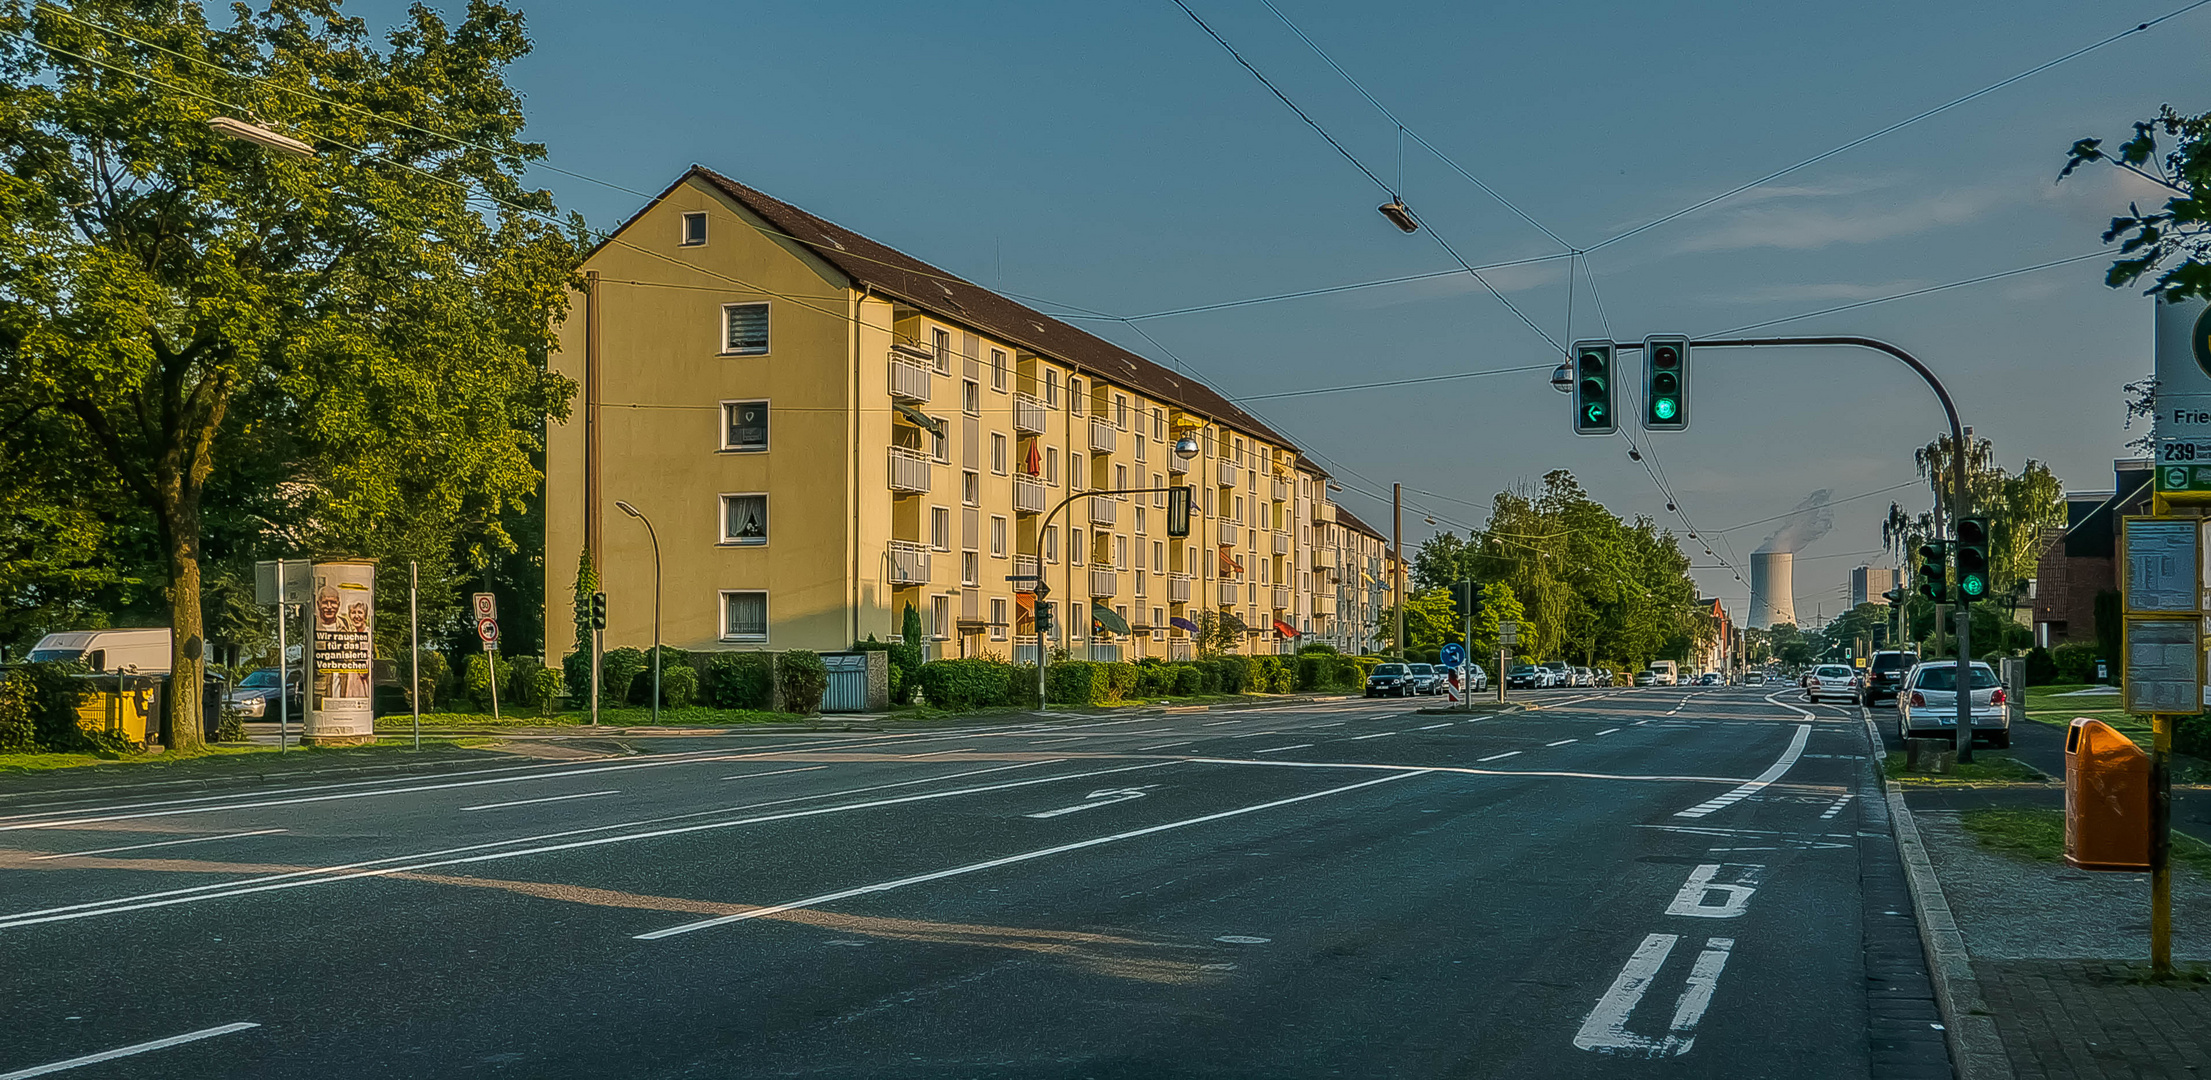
<point>1376,735</point>
<point>1561,742</point>
<point>1772,773</point>
<point>546,799</point>
<point>126,1051</point>
<point>1829,814</point>
<point>1605,1031</point>
<point>1279,749</point>
<point>158,843</point>
<point>1499,757</point>
<point>1432,727</point>
<point>1608,731</point>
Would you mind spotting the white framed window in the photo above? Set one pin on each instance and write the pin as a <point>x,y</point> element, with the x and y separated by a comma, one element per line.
<point>1159,493</point>
<point>971,397</point>
<point>1121,411</point>
<point>1120,553</point>
<point>745,426</point>
<point>1159,557</point>
<point>998,453</point>
<point>971,488</point>
<point>1074,546</point>
<point>744,615</point>
<point>1051,465</point>
<point>745,329</point>
<point>997,537</point>
<point>1051,389</point>
<point>971,567</point>
<point>998,370</point>
<point>1075,478</point>
<point>940,618</point>
<point>940,528</point>
<point>1121,477</point>
<point>1140,440</point>
<point>745,518</point>
<point>1051,544</point>
<point>1159,426</point>
<point>1140,515</point>
<point>940,345</point>
<point>997,620</point>
<point>694,229</point>
<point>941,448</point>
<point>1074,395</point>
<point>1159,625</point>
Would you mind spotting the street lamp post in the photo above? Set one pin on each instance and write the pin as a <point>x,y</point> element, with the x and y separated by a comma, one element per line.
<point>655,537</point>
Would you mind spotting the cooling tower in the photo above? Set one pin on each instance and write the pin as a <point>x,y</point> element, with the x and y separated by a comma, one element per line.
<point>1772,588</point>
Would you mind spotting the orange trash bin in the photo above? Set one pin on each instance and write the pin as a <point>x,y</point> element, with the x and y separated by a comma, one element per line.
<point>2107,799</point>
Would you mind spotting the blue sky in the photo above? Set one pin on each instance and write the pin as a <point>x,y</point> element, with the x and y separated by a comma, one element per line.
<point>1112,157</point>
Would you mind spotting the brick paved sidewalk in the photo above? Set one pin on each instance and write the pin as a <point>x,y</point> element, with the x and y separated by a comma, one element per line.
<point>2097,1018</point>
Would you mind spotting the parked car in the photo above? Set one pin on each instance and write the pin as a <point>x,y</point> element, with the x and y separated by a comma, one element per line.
<point>1709,678</point>
<point>1525,677</point>
<point>1886,674</point>
<point>1427,678</point>
<point>1835,681</point>
<point>1755,678</point>
<point>1927,704</point>
<point>255,695</point>
<point>1646,678</point>
<point>1561,673</point>
<point>1391,680</point>
<point>1584,677</point>
<point>1477,679</point>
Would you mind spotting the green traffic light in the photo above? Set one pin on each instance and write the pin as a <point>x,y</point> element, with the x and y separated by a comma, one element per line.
<point>1972,586</point>
<point>1663,408</point>
<point>1595,412</point>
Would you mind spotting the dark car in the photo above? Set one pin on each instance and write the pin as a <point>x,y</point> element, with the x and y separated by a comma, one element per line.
<point>1427,678</point>
<point>255,695</point>
<point>1392,680</point>
<point>1886,675</point>
<point>1525,677</point>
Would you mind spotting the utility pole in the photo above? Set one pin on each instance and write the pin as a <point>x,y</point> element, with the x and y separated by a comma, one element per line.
<point>1397,550</point>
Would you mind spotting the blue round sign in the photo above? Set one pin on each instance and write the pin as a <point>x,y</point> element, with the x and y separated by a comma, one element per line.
<point>1452,654</point>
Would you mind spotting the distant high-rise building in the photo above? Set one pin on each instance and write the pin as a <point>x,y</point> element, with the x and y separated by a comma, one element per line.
<point>1867,583</point>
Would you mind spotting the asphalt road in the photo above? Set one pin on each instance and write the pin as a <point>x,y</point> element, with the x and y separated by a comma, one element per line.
<point>1653,882</point>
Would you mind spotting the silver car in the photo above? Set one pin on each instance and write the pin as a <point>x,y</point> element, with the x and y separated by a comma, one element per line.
<point>1837,682</point>
<point>1927,704</point>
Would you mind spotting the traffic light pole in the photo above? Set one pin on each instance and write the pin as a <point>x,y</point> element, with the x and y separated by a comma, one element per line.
<point>1960,497</point>
<point>1043,654</point>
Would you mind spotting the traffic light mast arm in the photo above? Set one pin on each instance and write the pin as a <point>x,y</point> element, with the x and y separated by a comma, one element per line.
<point>1041,653</point>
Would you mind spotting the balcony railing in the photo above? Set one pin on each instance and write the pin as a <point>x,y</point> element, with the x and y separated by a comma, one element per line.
<point>1103,510</point>
<point>1103,581</point>
<point>1324,605</point>
<point>1176,463</point>
<point>1228,593</point>
<point>1028,495</point>
<point>1024,648</point>
<point>1281,597</point>
<point>1028,414</point>
<point>1178,588</point>
<point>1325,513</point>
<point>1178,649</point>
<point>909,563</point>
<point>909,470</point>
<point>1280,489</point>
<point>1230,533</point>
<point>1025,567</point>
<point>1282,543</point>
<point>1105,654</point>
<point>1230,475</point>
<point>909,374</point>
<point>1324,558</point>
<point>1103,435</point>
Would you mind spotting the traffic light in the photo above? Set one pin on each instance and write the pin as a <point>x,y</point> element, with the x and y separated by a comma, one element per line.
<point>1178,511</point>
<point>1895,597</point>
<point>1593,389</point>
<point>1934,558</point>
<point>1466,599</point>
<point>1665,383</point>
<point>1043,618</point>
<point>1973,579</point>
<point>598,611</point>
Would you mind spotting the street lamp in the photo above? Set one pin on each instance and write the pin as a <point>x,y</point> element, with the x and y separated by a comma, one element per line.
<point>255,133</point>
<point>1187,446</point>
<point>1562,379</point>
<point>632,511</point>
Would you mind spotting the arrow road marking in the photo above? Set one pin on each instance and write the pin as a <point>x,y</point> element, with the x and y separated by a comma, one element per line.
<point>1604,1030</point>
<point>1103,797</point>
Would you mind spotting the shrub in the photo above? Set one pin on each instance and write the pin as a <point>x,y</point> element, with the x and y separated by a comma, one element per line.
<point>1154,678</point>
<point>2041,670</point>
<point>2192,736</point>
<point>801,677</point>
<point>1188,680</point>
<point>740,680</point>
<point>679,685</point>
<point>641,685</point>
<point>518,681</point>
<point>1322,668</point>
<point>545,689</point>
<point>476,681</point>
<point>1229,674</point>
<point>1021,686</point>
<point>970,683</point>
<point>575,670</point>
<point>1120,680</point>
<point>436,674</point>
<point>18,718</point>
<point>905,664</point>
<point>2075,662</point>
<point>618,669</point>
<point>1077,682</point>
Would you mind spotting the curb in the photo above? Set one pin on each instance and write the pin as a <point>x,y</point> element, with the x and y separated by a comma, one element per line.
<point>1976,1047</point>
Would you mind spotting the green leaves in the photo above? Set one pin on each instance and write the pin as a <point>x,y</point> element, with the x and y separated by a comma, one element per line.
<point>2176,237</point>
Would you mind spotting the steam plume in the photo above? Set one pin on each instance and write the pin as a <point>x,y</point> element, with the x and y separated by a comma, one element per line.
<point>1808,522</point>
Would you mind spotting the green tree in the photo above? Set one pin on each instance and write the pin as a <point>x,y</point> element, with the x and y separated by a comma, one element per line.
<point>2173,241</point>
<point>354,338</point>
<point>587,585</point>
<point>1430,620</point>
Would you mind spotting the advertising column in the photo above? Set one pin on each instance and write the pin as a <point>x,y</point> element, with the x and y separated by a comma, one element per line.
<point>339,653</point>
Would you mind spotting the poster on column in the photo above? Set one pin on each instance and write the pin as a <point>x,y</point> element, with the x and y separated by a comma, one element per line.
<point>340,634</point>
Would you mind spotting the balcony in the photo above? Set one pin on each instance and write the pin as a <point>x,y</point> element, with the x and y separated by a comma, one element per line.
<point>909,563</point>
<point>1230,533</point>
<point>1179,650</point>
<point>1105,654</point>
<point>1281,598</point>
<point>1028,414</point>
<point>1228,594</point>
<point>909,470</point>
<point>909,373</point>
<point>1178,464</point>
<point>1324,605</point>
<point>1103,581</point>
<point>1230,475</point>
<point>1178,588</point>
<point>1104,437</point>
<point>1025,566</point>
<point>1324,558</point>
<point>1325,513</point>
<point>1029,495</point>
<point>1104,510</point>
<point>1024,649</point>
<point>1280,489</point>
<point>1282,543</point>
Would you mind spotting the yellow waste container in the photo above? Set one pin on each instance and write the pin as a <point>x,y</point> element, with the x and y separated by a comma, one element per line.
<point>2107,799</point>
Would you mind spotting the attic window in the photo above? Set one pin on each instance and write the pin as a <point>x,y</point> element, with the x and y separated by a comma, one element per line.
<point>694,228</point>
<point>944,288</point>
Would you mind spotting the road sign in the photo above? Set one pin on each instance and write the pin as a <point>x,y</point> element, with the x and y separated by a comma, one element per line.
<point>299,575</point>
<point>485,605</point>
<point>488,630</point>
<point>1452,654</point>
<point>2159,566</point>
<point>2182,420</point>
<point>1508,632</point>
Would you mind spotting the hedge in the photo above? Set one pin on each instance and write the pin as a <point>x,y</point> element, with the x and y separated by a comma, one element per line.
<point>2074,662</point>
<point>476,681</point>
<point>1077,682</point>
<point>800,676</point>
<point>966,683</point>
<point>679,684</point>
<point>740,680</point>
<point>545,689</point>
<point>1321,668</point>
<point>618,668</point>
<point>518,680</point>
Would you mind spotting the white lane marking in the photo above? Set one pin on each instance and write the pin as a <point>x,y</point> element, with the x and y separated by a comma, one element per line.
<point>325,875</point>
<point>1802,713</point>
<point>1772,773</point>
<point>1607,731</point>
<point>126,1051</point>
<point>1561,742</point>
<point>787,772</point>
<point>1734,894</point>
<point>1217,723</point>
<point>1463,770</point>
<point>1102,797</point>
<point>159,843</point>
<point>1279,749</point>
<point>1376,735</point>
<point>1008,860</point>
<point>1829,814</point>
<point>1500,757</point>
<point>546,799</point>
<point>1639,723</point>
<point>1163,746</point>
<point>1254,734</point>
<point>1605,1031</point>
<point>1242,939</point>
<point>1432,727</point>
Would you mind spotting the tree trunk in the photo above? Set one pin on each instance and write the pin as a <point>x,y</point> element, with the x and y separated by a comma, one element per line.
<point>187,655</point>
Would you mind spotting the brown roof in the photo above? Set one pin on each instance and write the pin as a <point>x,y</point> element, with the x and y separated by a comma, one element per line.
<point>900,276</point>
<point>1349,520</point>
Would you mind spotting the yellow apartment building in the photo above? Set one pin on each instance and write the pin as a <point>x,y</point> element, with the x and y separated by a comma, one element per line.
<point>1364,575</point>
<point>822,431</point>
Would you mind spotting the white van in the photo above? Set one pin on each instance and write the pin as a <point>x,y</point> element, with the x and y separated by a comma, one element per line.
<point>145,651</point>
<point>1664,673</point>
